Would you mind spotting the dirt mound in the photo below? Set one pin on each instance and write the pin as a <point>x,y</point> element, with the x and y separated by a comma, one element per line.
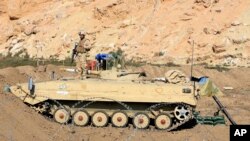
<point>20,122</point>
<point>21,74</point>
<point>11,76</point>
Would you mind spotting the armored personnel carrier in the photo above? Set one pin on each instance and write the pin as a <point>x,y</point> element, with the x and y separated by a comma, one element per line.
<point>113,98</point>
<point>100,101</point>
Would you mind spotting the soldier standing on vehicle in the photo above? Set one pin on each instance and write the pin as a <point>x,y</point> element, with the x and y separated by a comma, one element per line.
<point>82,51</point>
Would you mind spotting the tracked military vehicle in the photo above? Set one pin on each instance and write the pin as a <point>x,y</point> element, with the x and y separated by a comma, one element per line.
<point>113,98</point>
<point>100,101</point>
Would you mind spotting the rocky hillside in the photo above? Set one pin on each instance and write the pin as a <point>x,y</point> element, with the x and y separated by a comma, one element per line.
<point>155,31</point>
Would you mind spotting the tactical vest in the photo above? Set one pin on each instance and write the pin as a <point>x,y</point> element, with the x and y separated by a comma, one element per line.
<point>83,46</point>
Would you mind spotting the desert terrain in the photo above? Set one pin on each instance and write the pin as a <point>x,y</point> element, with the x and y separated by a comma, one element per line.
<point>20,122</point>
<point>153,31</point>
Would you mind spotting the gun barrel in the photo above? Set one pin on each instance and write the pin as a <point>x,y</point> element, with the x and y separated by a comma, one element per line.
<point>72,57</point>
<point>222,108</point>
<point>127,73</point>
<point>74,53</point>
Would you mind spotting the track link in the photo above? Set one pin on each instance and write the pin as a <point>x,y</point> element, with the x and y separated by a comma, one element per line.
<point>175,122</point>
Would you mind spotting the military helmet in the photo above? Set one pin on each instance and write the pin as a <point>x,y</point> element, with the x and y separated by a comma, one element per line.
<point>82,32</point>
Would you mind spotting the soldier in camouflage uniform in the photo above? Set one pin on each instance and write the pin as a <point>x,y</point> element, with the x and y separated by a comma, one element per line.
<point>82,55</point>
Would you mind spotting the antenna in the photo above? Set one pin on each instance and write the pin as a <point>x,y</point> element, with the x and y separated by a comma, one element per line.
<point>192,60</point>
<point>192,63</point>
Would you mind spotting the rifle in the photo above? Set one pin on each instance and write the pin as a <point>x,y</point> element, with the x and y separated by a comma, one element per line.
<point>74,53</point>
<point>127,73</point>
<point>222,108</point>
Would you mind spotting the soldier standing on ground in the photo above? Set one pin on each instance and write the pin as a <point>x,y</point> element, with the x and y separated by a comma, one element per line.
<point>82,55</point>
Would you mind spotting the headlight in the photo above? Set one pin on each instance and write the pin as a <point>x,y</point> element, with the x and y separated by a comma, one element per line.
<point>186,90</point>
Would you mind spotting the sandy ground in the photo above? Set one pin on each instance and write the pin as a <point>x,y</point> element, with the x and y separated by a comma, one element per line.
<point>19,122</point>
<point>155,31</point>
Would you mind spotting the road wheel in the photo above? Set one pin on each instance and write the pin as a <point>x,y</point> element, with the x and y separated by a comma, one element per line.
<point>99,119</point>
<point>163,121</point>
<point>182,112</point>
<point>119,119</point>
<point>81,118</point>
<point>61,116</point>
<point>141,120</point>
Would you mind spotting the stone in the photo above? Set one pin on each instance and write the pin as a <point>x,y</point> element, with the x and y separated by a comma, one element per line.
<point>206,31</point>
<point>206,3</point>
<point>185,18</point>
<point>85,1</point>
<point>236,23</point>
<point>7,29</point>
<point>30,29</point>
<point>190,30</point>
<point>14,41</point>
<point>201,45</point>
<point>16,48</point>
<point>218,10</point>
<point>228,88</point>
<point>54,35</point>
<point>216,31</point>
<point>14,9</point>
<point>226,41</point>
<point>211,31</point>
<point>241,40</point>
<point>126,23</point>
<point>103,134</point>
<point>218,49</point>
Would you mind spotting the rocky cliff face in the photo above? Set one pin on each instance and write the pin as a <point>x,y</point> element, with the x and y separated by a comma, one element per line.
<point>156,31</point>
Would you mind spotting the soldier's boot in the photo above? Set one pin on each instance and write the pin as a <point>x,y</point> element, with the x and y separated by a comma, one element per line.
<point>80,73</point>
<point>83,77</point>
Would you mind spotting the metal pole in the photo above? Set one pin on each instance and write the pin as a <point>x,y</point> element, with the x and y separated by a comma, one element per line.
<point>192,60</point>
<point>192,63</point>
<point>222,108</point>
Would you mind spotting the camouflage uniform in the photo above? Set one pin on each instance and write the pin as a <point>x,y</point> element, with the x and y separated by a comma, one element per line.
<point>82,56</point>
